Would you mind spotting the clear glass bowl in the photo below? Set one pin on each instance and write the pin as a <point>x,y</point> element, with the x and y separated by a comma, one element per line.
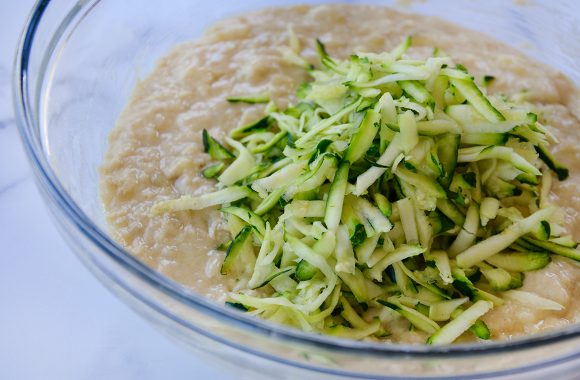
<point>76,66</point>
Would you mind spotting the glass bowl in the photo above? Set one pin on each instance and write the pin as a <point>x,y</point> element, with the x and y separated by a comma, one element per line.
<point>76,66</point>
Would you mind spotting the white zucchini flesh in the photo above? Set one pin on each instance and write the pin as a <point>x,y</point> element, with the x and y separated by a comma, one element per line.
<point>282,178</point>
<point>407,212</point>
<point>452,330</point>
<point>441,311</point>
<point>413,316</point>
<point>468,232</point>
<point>478,153</point>
<point>187,202</point>
<point>408,128</point>
<point>365,180</point>
<point>442,263</point>
<point>399,254</point>
<point>488,210</point>
<point>243,165</point>
<point>345,260</point>
<point>495,244</point>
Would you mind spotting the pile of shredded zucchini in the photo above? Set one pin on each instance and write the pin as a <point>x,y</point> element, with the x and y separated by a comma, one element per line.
<point>394,188</point>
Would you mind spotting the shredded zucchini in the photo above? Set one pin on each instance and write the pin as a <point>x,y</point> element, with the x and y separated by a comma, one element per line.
<point>386,190</point>
<point>249,99</point>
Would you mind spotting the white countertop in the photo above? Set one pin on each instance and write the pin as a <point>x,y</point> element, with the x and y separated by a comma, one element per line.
<point>56,320</point>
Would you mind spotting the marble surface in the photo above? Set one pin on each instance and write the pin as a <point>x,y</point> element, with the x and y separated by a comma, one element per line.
<point>56,320</point>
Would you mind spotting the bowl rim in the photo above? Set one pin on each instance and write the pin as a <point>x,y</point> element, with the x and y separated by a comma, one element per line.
<point>55,192</point>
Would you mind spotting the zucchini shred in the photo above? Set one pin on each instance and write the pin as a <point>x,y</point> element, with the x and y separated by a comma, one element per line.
<point>395,188</point>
